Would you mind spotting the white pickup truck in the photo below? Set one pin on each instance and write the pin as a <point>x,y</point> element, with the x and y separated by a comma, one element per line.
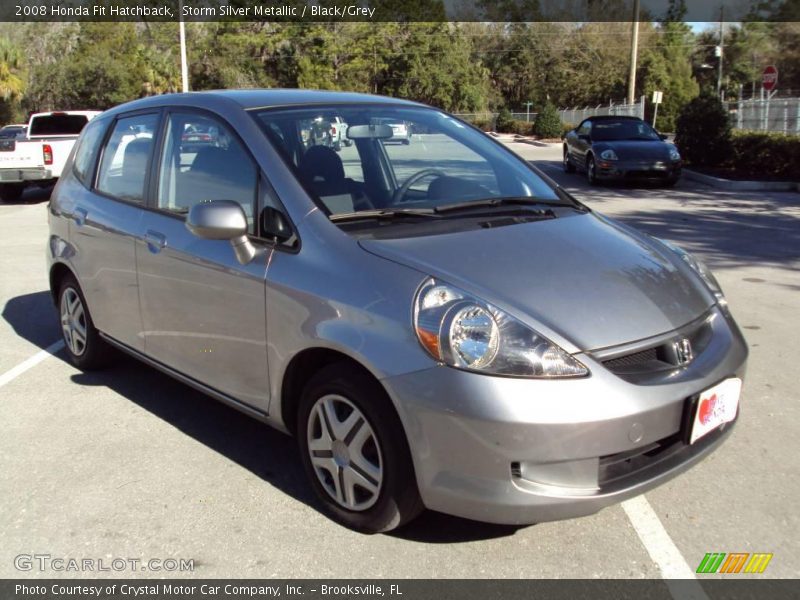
<point>39,157</point>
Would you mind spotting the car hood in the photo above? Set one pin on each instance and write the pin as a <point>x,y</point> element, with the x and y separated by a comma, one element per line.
<point>633,149</point>
<point>584,280</point>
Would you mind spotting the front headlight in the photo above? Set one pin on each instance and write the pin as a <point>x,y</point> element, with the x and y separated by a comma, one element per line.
<point>466,333</point>
<point>674,154</point>
<point>608,154</point>
<point>701,269</point>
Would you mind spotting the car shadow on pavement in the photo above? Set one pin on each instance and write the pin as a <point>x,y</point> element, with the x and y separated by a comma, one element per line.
<point>32,195</point>
<point>262,450</point>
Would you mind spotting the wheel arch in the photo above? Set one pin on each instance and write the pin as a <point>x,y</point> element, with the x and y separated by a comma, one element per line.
<point>302,367</point>
<point>58,271</point>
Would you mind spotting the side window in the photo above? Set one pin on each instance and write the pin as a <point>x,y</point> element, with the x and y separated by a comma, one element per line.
<point>586,128</point>
<point>86,151</point>
<point>123,169</point>
<point>204,161</point>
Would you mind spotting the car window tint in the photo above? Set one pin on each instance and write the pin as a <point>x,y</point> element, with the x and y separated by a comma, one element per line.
<point>86,151</point>
<point>123,169</point>
<point>203,161</point>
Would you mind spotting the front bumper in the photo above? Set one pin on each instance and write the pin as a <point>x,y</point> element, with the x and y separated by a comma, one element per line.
<point>638,170</point>
<point>20,175</point>
<point>517,451</point>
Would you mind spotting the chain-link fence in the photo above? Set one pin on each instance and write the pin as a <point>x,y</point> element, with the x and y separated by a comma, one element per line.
<point>578,114</point>
<point>775,114</point>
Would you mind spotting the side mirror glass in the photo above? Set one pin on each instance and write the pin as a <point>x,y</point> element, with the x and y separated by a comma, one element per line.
<point>663,136</point>
<point>222,220</point>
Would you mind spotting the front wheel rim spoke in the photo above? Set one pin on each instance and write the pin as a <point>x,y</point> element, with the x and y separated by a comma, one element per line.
<point>350,477</point>
<point>356,476</point>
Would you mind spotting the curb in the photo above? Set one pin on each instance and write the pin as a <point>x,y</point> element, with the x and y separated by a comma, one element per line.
<point>744,186</point>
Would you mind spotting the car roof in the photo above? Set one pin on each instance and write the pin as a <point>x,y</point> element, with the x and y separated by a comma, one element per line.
<point>613,118</point>
<point>258,98</point>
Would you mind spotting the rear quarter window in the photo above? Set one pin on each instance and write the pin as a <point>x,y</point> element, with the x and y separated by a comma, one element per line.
<point>86,151</point>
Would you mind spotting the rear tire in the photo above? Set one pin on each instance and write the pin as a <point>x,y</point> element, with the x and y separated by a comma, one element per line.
<point>11,192</point>
<point>591,172</point>
<point>355,452</point>
<point>407,141</point>
<point>568,166</point>
<point>84,346</point>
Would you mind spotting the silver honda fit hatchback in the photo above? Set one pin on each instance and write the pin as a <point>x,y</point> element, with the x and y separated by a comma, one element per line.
<point>438,324</point>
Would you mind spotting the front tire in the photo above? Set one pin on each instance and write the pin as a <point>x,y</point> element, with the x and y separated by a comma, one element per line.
<point>85,348</point>
<point>355,452</point>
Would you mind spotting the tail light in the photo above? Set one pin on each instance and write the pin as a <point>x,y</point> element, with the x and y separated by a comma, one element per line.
<point>333,130</point>
<point>47,151</point>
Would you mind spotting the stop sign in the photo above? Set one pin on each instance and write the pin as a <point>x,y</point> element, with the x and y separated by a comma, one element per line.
<point>769,78</point>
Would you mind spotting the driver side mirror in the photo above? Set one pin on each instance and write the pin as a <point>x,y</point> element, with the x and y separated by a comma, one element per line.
<point>663,136</point>
<point>222,220</point>
<point>583,136</point>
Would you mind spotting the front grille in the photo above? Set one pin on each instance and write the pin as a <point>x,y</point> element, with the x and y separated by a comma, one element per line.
<point>660,357</point>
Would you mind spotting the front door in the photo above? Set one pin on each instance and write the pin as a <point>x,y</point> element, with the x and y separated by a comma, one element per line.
<point>204,314</point>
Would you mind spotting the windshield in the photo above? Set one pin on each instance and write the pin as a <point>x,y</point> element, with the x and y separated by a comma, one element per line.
<point>394,157</point>
<point>624,129</point>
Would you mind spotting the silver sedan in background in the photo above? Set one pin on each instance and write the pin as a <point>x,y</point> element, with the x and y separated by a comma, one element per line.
<point>439,325</point>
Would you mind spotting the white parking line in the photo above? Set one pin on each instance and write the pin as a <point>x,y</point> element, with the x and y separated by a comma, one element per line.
<point>34,360</point>
<point>662,549</point>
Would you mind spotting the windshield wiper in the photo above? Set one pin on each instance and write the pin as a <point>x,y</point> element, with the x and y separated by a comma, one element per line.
<point>383,213</point>
<point>505,201</point>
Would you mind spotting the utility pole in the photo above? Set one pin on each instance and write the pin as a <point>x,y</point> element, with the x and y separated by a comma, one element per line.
<point>634,51</point>
<point>720,48</point>
<point>182,34</point>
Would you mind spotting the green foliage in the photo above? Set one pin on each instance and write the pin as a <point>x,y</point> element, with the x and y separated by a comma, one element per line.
<point>11,84</point>
<point>504,121</point>
<point>667,68</point>
<point>704,132</point>
<point>765,154</point>
<point>519,127</point>
<point>548,122</point>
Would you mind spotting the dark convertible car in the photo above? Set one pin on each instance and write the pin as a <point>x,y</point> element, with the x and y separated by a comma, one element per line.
<point>621,148</point>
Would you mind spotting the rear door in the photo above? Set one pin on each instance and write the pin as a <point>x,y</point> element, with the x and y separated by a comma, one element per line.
<point>106,219</point>
<point>204,314</point>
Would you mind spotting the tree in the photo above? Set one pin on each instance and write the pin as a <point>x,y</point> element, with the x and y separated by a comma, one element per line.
<point>704,131</point>
<point>548,122</point>
<point>11,84</point>
<point>667,66</point>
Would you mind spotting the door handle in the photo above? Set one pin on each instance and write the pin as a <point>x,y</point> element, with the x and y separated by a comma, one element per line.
<point>79,216</point>
<point>155,241</point>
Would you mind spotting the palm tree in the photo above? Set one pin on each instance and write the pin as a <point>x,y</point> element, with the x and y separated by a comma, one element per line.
<point>11,85</point>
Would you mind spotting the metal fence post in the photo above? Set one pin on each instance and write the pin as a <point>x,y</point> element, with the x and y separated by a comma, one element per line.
<point>739,109</point>
<point>641,107</point>
<point>785,116</point>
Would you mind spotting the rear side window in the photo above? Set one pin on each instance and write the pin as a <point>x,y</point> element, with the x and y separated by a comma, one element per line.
<point>85,153</point>
<point>123,168</point>
<point>58,124</point>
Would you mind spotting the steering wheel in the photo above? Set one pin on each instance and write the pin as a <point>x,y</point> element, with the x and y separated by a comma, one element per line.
<point>401,192</point>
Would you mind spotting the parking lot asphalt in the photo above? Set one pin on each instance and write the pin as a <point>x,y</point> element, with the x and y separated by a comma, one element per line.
<point>127,463</point>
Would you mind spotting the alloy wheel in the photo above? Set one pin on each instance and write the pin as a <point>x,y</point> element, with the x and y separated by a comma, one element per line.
<point>345,453</point>
<point>73,321</point>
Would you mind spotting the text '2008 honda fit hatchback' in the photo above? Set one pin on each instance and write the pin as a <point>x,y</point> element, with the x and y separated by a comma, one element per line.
<point>437,323</point>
